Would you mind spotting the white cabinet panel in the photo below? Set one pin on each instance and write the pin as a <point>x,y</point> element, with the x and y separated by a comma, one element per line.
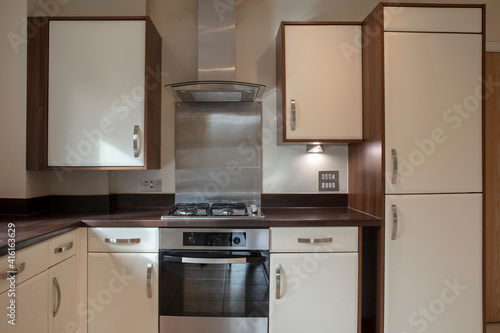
<point>323,76</point>
<point>62,247</point>
<point>329,239</point>
<point>115,239</point>
<point>433,112</point>
<point>117,291</point>
<point>433,19</point>
<point>433,268</point>
<point>63,298</point>
<point>319,293</point>
<point>31,306</point>
<point>35,259</point>
<point>96,92</point>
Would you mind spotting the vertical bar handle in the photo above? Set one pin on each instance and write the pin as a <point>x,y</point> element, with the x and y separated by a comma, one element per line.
<point>278,281</point>
<point>394,166</point>
<point>135,139</point>
<point>293,115</point>
<point>58,291</point>
<point>148,280</point>
<point>394,222</point>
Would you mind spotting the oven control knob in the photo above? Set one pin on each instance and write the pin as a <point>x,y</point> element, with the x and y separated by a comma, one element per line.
<point>191,240</point>
<point>236,240</point>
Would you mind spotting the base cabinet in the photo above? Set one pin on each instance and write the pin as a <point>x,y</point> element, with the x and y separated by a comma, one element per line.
<point>63,298</point>
<point>316,292</point>
<point>433,266</point>
<point>31,306</point>
<point>120,296</point>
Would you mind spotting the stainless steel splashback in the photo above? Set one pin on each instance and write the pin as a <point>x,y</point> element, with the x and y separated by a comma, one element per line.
<point>218,152</point>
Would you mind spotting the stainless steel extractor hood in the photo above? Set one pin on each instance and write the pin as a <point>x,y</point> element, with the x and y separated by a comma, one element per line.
<point>216,61</point>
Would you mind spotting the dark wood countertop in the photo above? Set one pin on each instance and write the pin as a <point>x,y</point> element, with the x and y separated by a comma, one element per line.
<point>32,229</point>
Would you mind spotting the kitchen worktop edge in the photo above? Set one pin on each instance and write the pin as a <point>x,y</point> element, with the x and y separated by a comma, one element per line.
<point>30,230</point>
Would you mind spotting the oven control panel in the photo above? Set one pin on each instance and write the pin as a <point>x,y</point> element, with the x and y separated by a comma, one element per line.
<point>230,239</point>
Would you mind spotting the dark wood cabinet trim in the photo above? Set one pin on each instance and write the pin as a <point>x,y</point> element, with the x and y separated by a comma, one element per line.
<point>37,94</point>
<point>366,165</point>
<point>430,5</point>
<point>152,103</point>
<point>38,90</point>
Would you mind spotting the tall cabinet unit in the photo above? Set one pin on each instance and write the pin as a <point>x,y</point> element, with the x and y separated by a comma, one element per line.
<point>95,90</point>
<point>423,137</point>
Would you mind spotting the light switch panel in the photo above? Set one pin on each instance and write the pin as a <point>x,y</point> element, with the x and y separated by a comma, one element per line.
<point>328,180</point>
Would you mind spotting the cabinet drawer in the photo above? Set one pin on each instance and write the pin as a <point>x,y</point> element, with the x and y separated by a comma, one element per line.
<point>324,239</point>
<point>62,247</point>
<point>30,261</point>
<point>123,239</point>
<point>433,19</point>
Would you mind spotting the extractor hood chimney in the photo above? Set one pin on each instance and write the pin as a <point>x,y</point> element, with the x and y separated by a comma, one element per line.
<point>216,60</point>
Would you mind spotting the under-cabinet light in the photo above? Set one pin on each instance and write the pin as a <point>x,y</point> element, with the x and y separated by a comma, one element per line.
<point>314,148</point>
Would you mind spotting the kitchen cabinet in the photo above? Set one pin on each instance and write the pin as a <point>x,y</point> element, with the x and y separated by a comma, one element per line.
<point>433,263</point>
<point>46,290</point>
<point>63,296</point>
<point>96,94</point>
<point>315,287</point>
<point>122,285</point>
<point>319,82</point>
<point>433,112</point>
<point>32,306</point>
<point>422,153</point>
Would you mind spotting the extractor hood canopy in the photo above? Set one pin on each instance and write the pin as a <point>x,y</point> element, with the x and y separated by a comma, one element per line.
<point>216,62</point>
<point>216,91</point>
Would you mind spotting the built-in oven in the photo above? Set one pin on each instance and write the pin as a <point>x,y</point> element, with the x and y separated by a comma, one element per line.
<point>214,280</point>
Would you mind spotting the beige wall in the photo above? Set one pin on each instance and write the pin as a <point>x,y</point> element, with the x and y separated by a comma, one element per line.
<point>285,169</point>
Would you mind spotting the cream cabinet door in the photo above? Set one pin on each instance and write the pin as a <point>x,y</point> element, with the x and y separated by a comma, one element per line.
<point>323,78</point>
<point>96,93</point>
<point>433,112</point>
<point>64,310</point>
<point>317,292</point>
<point>31,301</point>
<point>118,299</point>
<point>433,266</point>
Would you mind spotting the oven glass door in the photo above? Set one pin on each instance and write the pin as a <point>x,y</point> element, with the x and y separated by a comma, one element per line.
<point>214,283</point>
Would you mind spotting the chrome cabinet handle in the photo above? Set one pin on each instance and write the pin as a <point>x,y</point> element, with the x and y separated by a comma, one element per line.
<point>58,290</point>
<point>148,280</point>
<point>315,240</point>
<point>15,272</point>
<point>394,222</point>
<point>64,248</point>
<point>122,241</point>
<point>293,113</point>
<point>278,281</point>
<point>135,140</point>
<point>394,166</point>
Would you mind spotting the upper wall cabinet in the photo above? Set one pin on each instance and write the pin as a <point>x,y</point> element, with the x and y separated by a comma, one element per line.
<point>94,88</point>
<point>319,82</point>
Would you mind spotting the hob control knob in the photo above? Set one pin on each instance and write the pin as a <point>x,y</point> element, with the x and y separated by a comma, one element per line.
<point>191,240</point>
<point>236,240</point>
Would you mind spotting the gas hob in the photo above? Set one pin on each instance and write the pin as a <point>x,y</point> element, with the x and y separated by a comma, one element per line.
<point>213,210</point>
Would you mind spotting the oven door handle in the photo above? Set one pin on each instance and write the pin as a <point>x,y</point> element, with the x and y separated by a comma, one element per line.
<point>213,261</point>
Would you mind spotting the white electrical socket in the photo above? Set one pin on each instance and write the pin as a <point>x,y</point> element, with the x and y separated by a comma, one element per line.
<point>151,185</point>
